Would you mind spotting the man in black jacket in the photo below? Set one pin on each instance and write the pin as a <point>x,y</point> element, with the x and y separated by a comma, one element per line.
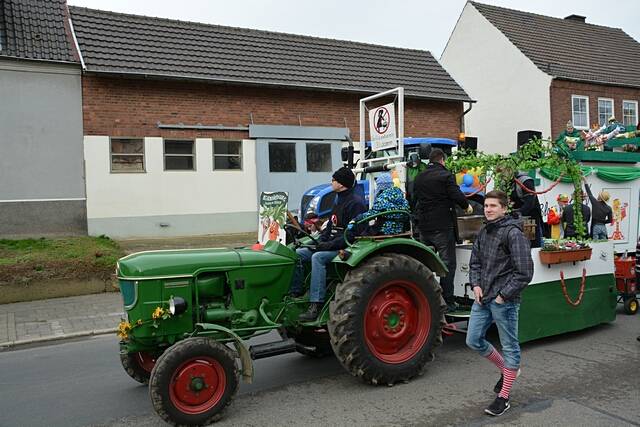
<point>437,194</point>
<point>569,223</point>
<point>349,205</point>
<point>601,213</point>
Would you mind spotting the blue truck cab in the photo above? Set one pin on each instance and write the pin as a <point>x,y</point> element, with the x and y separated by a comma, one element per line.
<point>319,200</point>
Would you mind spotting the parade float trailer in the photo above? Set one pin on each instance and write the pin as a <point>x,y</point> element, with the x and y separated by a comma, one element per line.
<point>562,297</point>
<point>576,289</point>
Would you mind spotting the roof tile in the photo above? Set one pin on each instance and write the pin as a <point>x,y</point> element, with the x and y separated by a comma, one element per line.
<point>121,43</point>
<point>570,49</point>
<point>35,29</point>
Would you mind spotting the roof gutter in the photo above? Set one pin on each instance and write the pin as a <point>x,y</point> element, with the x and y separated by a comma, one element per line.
<point>595,82</point>
<point>44,61</point>
<point>261,83</point>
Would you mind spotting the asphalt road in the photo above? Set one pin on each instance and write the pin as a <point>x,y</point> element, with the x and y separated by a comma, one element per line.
<point>584,378</point>
<point>82,383</point>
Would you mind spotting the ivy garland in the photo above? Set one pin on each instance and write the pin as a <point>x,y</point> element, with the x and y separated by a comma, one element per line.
<point>537,154</point>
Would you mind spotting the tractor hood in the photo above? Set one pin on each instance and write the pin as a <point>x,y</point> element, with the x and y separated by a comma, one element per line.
<point>190,262</point>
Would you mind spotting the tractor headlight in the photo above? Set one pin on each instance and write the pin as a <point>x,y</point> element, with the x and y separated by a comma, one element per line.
<point>177,305</point>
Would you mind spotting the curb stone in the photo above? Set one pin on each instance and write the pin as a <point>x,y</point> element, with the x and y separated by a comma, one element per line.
<point>13,344</point>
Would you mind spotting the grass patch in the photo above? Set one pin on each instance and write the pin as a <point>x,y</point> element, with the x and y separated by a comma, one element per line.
<point>74,258</point>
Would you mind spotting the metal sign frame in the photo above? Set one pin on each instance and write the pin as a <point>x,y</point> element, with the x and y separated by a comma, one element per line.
<point>399,91</point>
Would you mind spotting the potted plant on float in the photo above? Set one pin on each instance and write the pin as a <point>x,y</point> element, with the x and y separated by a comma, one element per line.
<point>559,251</point>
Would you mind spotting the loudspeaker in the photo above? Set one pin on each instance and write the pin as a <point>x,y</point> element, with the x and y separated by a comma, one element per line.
<point>525,135</point>
<point>470,143</point>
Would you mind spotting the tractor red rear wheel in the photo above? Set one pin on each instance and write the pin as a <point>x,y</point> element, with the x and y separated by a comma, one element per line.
<point>386,319</point>
<point>194,381</point>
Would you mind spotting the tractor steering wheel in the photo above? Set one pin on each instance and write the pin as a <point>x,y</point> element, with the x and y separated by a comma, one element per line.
<point>291,229</point>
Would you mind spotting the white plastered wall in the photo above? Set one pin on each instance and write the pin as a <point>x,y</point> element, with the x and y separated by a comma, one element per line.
<point>512,93</point>
<point>160,193</point>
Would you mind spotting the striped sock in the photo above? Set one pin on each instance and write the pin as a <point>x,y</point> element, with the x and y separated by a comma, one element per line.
<point>509,376</point>
<point>496,359</point>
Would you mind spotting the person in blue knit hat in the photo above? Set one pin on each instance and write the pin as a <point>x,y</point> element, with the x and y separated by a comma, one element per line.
<point>387,197</point>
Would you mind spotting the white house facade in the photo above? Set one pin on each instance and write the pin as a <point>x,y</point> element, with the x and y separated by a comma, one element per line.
<point>512,93</point>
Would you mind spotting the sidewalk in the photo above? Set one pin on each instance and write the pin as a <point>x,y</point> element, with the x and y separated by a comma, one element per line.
<point>59,318</point>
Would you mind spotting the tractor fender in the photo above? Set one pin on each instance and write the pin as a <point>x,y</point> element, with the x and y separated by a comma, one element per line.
<point>365,248</point>
<point>243,352</point>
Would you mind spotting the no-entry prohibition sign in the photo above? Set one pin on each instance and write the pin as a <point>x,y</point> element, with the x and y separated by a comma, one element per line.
<point>383,127</point>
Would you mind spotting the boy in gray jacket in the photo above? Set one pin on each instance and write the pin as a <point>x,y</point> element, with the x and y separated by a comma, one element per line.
<point>499,270</point>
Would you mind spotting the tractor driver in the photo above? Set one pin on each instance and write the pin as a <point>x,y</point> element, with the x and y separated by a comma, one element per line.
<point>349,205</point>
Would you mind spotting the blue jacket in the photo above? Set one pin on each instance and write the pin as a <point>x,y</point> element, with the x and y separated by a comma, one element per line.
<point>390,198</point>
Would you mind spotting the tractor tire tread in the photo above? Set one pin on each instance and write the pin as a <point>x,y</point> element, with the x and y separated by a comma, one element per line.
<point>172,357</point>
<point>134,370</point>
<point>342,323</point>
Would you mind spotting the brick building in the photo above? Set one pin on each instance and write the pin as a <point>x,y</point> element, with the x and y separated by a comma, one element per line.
<point>186,123</point>
<point>534,72</point>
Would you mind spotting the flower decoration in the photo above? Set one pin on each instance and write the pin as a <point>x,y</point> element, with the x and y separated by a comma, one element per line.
<point>158,313</point>
<point>124,328</point>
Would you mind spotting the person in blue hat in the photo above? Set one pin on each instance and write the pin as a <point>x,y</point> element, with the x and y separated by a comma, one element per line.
<point>387,197</point>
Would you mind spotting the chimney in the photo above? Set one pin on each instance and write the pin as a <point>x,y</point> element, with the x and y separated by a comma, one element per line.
<point>576,18</point>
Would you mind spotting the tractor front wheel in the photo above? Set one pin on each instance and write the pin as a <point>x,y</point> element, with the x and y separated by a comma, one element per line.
<point>194,381</point>
<point>138,365</point>
<point>386,319</point>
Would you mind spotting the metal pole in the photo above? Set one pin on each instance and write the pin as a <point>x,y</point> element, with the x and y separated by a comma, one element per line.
<point>401,122</point>
<point>361,142</point>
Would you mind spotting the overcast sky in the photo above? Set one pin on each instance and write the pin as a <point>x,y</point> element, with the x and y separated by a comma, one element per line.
<point>415,24</point>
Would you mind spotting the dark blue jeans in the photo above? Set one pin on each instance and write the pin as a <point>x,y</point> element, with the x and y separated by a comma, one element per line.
<point>319,261</point>
<point>599,232</point>
<point>506,317</point>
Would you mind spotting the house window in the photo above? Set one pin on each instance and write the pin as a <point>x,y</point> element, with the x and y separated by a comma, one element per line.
<point>630,113</point>
<point>282,157</point>
<point>319,157</point>
<point>605,110</point>
<point>179,155</point>
<point>580,111</point>
<point>227,155</point>
<point>127,155</point>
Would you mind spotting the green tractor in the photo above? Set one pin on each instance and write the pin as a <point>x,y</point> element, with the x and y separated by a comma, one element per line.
<point>190,312</point>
